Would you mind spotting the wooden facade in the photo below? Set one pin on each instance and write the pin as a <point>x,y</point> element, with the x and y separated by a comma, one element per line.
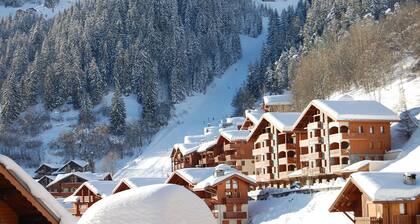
<point>237,154</point>
<point>274,150</point>
<point>18,205</point>
<point>181,161</point>
<point>45,170</point>
<point>68,185</point>
<point>227,199</point>
<point>74,166</point>
<point>45,180</point>
<point>367,211</point>
<point>327,144</point>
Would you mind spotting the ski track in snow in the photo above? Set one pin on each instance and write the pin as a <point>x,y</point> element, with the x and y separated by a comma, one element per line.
<point>192,115</point>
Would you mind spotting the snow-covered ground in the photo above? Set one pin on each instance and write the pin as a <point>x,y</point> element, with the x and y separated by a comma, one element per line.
<point>297,209</point>
<point>39,7</point>
<point>194,113</point>
<point>279,5</point>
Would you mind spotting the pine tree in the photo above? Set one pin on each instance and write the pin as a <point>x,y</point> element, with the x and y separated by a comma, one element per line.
<point>117,114</point>
<point>11,100</point>
<point>96,84</point>
<point>86,117</point>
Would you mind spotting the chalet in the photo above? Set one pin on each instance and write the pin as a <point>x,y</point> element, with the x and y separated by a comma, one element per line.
<point>251,118</point>
<point>184,156</point>
<point>380,198</point>
<point>74,166</point>
<point>65,185</point>
<point>88,194</point>
<point>23,200</point>
<point>206,152</point>
<point>234,122</point>
<point>274,150</point>
<point>237,151</point>
<point>224,189</point>
<point>136,182</point>
<point>334,134</point>
<point>45,180</point>
<point>278,103</point>
<point>46,169</point>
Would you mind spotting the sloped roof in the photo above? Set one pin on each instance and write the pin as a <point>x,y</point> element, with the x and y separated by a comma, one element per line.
<point>38,191</point>
<point>140,181</point>
<point>50,165</point>
<point>78,162</point>
<point>100,187</point>
<point>284,99</point>
<point>84,175</point>
<point>381,186</point>
<point>228,173</point>
<point>254,115</point>
<point>186,149</point>
<point>283,121</point>
<point>235,120</point>
<point>193,175</point>
<point>235,135</point>
<point>206,145</point>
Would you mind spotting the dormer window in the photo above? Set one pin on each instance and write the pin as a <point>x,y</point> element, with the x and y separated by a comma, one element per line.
<point>227,184</point>
<point>235,184</point>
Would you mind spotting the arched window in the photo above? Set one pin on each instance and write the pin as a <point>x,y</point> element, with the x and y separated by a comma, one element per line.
<point>344,145</point>
<point>344,129</point>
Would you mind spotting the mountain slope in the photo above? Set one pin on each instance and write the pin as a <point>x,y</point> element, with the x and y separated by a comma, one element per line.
<point>194,113</point>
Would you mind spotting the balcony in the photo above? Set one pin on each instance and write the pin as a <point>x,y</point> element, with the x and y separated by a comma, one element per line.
<point>231,147</point>
<point>311,156</point>
<point>236,200</point>
<point>264,177</point>
<point>264,137</point>
<point>262,151</point>
<point>314,125</point>
<point>287,160</point>
<point>310,141</point>
<point>339,137</point>
<point>207,160</point>
<point>264,163</point>
<point>284,175</point>
<point>312,171</point>
<point>234,215</point>
<point>232,157</point>
<point>285,147</point>
<point>368,220</point>
<point>339,152</point>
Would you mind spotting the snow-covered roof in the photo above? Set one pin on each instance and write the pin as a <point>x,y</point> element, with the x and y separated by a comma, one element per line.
<point>284,99</point>
<point>254,115</point>
<point>38,191</point>
<point>373,165</point>
<point>50,165</point>
<point>206,145</point>
<point>154,204</point>
<point>283,121</point>
<point>84,175</point>
<point>100,187</point>
<point>228,173</point>
<point>47,176</point>
<point>355,110</point>
<point>381,186</point>
<point>235,120</point>
<point>78,162</point>
<point>186,148</point>
<point>136,182</point>
<point>235,135</point>
<point>194,175</point>
<point>194,139</point>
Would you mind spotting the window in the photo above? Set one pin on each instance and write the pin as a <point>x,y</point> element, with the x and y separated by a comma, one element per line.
<point>403,209</point>
<point>227,184</point>
<point>235,184</point>
<point>243,163</point>
<point>360,129</point>
<point>372,129</point>
<point>371,145</point>
<point>382,129</point>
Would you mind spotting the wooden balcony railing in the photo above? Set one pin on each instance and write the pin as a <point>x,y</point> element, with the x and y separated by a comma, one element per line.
<point>262,151</point>
<point>234,215</point>
<point>368,220</point>
<point>236,200</point>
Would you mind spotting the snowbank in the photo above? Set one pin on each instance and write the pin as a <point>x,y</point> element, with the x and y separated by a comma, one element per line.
<point>284,99</point>
<point>154,204</point>
<point>38,191</point>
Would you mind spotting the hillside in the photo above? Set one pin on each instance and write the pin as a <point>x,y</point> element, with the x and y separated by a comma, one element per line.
<point>39,7</point>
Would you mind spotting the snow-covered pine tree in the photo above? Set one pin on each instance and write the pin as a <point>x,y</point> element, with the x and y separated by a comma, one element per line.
<point>86,116</point>
<point>96,84</point>
<point>117,114</point>
<point>11,100</point>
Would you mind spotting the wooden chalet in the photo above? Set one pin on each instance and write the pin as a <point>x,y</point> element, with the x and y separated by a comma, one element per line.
<point>237,151</point>
<point>23,200</point>
<point>274,150</point>
<point>46,169</point>
<point>380,198</point>
<point>65,185</point>
<point>45,180</point>
<point>251,119</point>
<point>88,194</point>
<point>335,134</point>
<point>184,156</point>
<point>136,182</point>
<point>74,166</point>
<point>206,152</point>
<point>224,189</point>
<point>278,103</point>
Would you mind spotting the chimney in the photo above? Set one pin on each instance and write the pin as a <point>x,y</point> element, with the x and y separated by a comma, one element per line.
<point>219,172</point>
<point>410,178</point>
